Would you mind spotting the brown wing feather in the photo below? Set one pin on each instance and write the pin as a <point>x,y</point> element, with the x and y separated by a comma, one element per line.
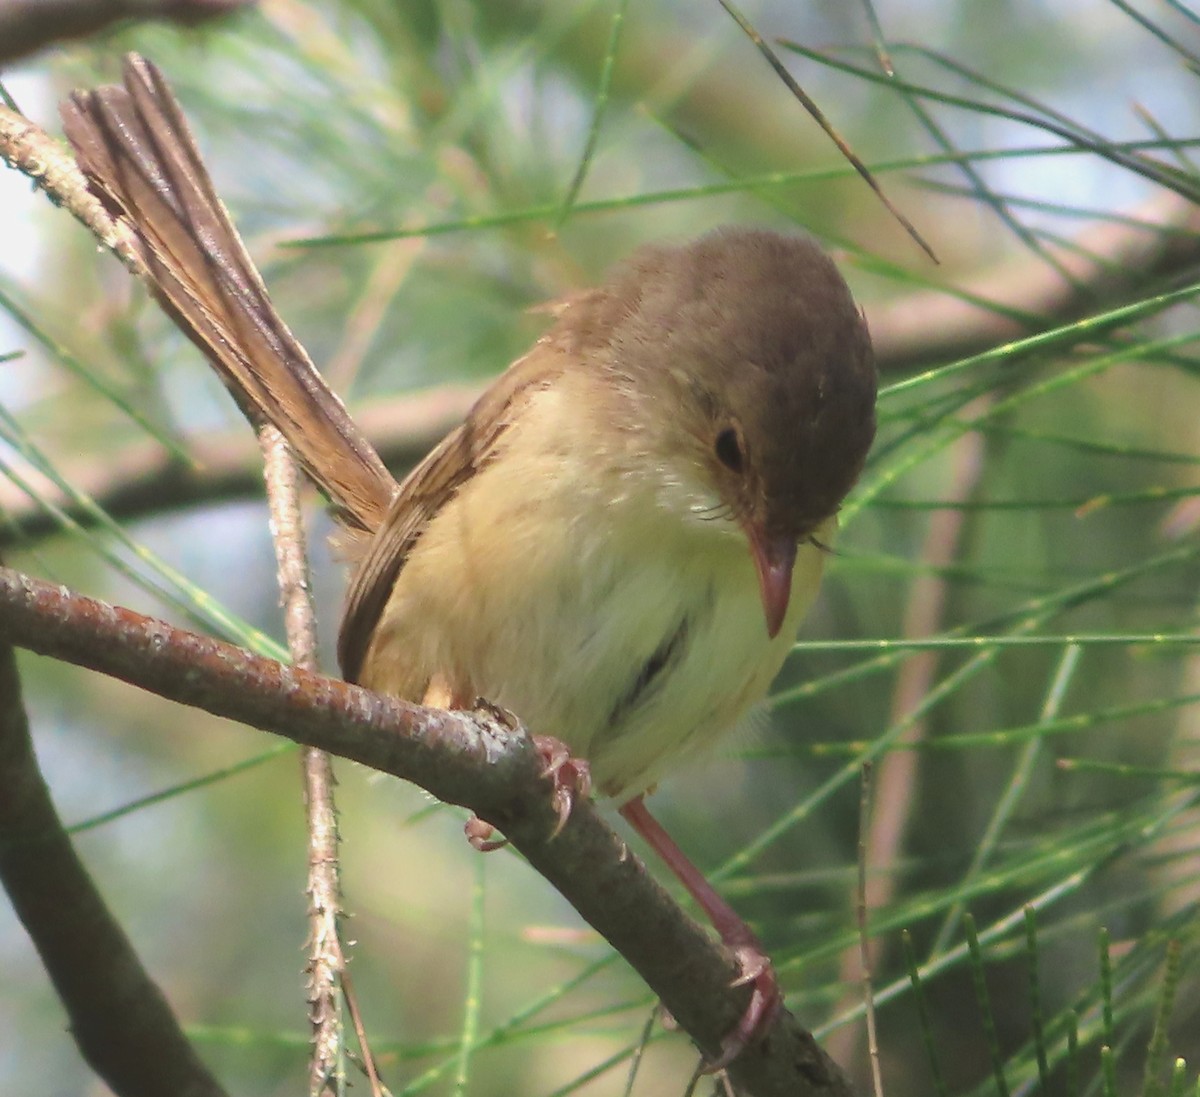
<point>135,146</point>
<point>430,486</point>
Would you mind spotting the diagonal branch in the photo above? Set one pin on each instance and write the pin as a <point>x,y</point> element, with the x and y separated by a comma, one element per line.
<point>1104,265</point>
<point>465,758</point>
<point>118,1016</point>
<point>27,26</point>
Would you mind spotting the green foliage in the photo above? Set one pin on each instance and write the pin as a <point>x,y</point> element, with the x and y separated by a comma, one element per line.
<point>1008,629</point>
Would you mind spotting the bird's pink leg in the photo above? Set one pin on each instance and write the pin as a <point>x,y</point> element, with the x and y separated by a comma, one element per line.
<point>766,1000</point>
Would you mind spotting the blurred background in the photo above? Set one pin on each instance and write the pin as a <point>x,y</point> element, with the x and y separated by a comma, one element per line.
<point>412,179</point>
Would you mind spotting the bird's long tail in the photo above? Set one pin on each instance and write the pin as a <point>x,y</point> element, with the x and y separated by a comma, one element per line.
<point>140,158</point>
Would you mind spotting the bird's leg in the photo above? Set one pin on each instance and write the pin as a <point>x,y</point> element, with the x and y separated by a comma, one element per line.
<point>766,1000</point>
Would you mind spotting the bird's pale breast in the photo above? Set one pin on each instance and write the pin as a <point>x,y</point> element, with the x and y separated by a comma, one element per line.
<point>567,585</point>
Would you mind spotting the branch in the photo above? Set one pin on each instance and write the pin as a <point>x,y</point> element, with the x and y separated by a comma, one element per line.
<point>142,479</point>
<point>119,1018</point>
<point>1104,266</point>
<point>465,758</point>
<point>27,26</point>
<point>326,956</point>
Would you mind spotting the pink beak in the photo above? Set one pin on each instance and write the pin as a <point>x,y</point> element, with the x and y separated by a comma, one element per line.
<point>774,558</point>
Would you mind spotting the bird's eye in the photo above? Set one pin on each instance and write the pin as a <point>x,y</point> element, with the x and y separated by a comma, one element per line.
<point>729,450</point>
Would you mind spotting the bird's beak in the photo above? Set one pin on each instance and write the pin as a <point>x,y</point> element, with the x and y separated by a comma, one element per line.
<point>774,558</point>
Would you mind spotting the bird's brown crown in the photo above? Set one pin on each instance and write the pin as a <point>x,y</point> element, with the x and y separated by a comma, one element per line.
<point>751,342</point>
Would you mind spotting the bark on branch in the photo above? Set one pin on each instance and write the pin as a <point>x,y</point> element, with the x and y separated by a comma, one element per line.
<point>27,26</point>
<point>1104,266</point>
<point>119,1018</point>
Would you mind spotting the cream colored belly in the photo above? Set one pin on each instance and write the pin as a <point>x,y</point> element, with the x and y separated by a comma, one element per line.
<point>563,633</point>
<point>632,634</point>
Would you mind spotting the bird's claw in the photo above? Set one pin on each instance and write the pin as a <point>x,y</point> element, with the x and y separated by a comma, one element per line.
<point>570,778</point>
<point>765,1003</point>
<point>479,835</point>
<point>753,962</point>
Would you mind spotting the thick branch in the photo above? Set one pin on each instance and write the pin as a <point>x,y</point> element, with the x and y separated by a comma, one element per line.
<point>27,26</point>
<point>1106,265</point>
<point>144,479</point>
<point>118,1016</point>
<point>462,758</point>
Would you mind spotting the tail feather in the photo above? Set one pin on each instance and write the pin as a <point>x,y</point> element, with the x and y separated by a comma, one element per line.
<point>135,146</point>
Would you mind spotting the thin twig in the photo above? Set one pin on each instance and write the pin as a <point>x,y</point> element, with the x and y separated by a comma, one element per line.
<point>326,958</point>
<point>864,930</point>
<point>28,149</point>
<point>1158,242</point>
<point>818,116</point>
<point>378,1089</point>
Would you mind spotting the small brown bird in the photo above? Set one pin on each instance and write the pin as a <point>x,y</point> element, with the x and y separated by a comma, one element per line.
<point>619,542</point>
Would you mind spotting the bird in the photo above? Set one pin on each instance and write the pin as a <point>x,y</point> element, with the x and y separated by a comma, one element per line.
<point>619,541</point>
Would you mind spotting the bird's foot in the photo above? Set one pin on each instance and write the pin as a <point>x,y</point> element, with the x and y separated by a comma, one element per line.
<point>570,778</point>
<point>479,835</point>
<point>765,1004</point>
<point>766,1000</point>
